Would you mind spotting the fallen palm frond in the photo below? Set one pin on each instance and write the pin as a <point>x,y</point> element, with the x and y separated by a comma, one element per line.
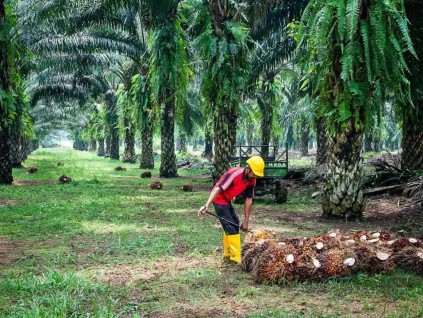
<point>415,190</point>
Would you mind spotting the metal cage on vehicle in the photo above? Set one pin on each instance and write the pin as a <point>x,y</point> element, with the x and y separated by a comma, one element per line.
<point>275,168</point>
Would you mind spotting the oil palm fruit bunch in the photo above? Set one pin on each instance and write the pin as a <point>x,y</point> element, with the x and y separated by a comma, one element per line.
<point>187,188</point>
<point>32,170</point>
<point>65,179</point>
<point>146,175</point>
<point>156,185</point>
<point>410,258</point>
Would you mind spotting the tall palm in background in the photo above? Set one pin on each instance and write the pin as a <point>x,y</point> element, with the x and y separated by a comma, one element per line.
<point>170,74</point>
<point>355,57</point>
<point>272,53</point>
<point>221,37</point>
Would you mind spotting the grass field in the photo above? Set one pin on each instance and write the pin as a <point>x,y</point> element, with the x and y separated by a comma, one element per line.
<point>106,245</point>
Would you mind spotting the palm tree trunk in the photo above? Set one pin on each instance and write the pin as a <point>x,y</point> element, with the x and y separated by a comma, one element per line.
<point>224,126</point>
<point>182,145</point>
<point>5,164</point>
<point>267,120</point>
<point>112,121</point>
<point>249,134</point>
<point>342,194</point>
<point>15,153</point>
<point>93,145</point>
<point>266,129</point>
<point>108,144</point>
<point>168,158</point>
<point>368,142</point>
<point>147,157</point>
<point>305,137</point>
<point>129,153</point>
<point>208,139</point>
<point>290,137</point>
<point>5,142</point>
<point>114,143</point>
<point>100,148</point>
<point>322,142</point>
<point>412,139</point>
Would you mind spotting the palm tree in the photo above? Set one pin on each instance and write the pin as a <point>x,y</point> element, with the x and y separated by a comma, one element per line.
<point>170,74</point>
<point>272,53</point>
<point>168,60</point>
<point>355,56</point>
<point>12,94</point>
<point>141,94</point>
<point>5,106</point>
<point>221,36</point>
<point>412,145</point>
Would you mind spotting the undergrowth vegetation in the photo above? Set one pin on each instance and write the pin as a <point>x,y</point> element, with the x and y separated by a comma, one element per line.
<point>106,245</point>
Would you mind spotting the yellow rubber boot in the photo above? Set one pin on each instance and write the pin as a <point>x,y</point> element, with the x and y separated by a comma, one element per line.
<point>235,247</point>
<point>226,250</point>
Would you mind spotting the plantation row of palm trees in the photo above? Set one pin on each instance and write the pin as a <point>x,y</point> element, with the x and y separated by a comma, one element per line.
<point>210,66</point>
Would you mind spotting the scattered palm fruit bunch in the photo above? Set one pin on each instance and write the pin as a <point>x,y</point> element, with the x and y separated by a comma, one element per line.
<point>65,179</point>
<point>251,254</point>
<point>59,164</point>
<point>308,267</point>
<point>333,254</point>
<point>384,236</point>
<point>336,264</point>
<point>410,258</point>
<point>32,170</point>
<point>187,188</point>
<point>259,235</point>
<point>277,263</point>
<point>146,175</point>
<point>119,168</point>
<point>156,185</point>
<point>404,242</point>
<point>362,236</point>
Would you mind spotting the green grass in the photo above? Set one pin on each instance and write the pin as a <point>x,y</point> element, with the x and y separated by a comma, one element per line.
<point>106,245</point>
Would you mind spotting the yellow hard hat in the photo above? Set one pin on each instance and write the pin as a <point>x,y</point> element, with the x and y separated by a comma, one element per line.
<point>256,163</point>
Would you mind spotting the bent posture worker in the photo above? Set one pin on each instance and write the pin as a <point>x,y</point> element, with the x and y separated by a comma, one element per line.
<point>231,184</point>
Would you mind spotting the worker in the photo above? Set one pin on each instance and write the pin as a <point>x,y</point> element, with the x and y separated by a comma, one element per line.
<point>231,184</point>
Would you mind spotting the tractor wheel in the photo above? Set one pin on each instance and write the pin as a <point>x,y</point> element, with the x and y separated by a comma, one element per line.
<point>240,199</point>
<point>281,192</point>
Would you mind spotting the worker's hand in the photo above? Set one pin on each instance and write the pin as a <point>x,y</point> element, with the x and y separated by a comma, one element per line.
<point>244,226</point>
<point>202,210</point>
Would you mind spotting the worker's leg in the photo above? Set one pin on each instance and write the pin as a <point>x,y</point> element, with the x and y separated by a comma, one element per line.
<point>226,251</point>
<point>234,240</point>
<point>232,246</point>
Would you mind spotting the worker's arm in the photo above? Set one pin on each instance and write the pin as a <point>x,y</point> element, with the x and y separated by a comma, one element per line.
<point>247,212</point>
<point>212,196</point>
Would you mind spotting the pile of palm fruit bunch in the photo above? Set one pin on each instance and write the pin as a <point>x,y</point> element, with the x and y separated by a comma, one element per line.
<point>333,254</point>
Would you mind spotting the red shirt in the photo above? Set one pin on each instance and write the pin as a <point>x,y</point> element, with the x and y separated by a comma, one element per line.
<point>233,183</point>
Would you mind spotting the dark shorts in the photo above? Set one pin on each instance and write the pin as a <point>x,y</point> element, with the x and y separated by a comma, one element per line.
<point>227,212</point>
